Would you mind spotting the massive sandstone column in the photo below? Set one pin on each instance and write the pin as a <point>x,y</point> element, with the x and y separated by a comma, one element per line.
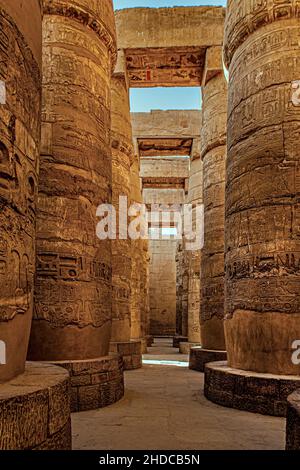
<point>122,153</point>
<point>34,400</point>
<point>262,209</point>
<point>72,318</point>
<point>194,198</point>
<point>263,187</point>
<point>20,120</point>
<point>213,151</point>
<point>137,260</point>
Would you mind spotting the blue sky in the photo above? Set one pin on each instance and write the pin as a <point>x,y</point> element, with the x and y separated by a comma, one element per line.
<point>145,99</point>
<point>119,4</point>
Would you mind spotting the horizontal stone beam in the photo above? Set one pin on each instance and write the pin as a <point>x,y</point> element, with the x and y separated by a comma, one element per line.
<point>170,27</point>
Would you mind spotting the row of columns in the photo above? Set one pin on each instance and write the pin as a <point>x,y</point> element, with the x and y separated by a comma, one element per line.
<point>77,297</point>
<point>251,198</point>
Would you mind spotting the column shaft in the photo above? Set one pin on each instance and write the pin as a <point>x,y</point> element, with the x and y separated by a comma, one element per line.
<point>122,150</point>
<point>72,318</point>
<point>263,186</point>
<point>20,125</point>
<point>213,153</point>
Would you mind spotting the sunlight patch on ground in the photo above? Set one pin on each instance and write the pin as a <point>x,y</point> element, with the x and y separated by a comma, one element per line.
<point>165,363</point>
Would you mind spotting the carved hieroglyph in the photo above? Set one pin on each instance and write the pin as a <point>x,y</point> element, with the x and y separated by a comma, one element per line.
<point>20,108</point>
<point>263,185</point>
<point>195,197</point>
<point>122,150</point>
<point>72,317</point>
<point>136,256</point>
<point>182,288</point>
<point>213,151</point>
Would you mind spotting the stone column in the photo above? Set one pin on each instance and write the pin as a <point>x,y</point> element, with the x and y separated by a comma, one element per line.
<point>137,259</point>
<point>262,205</point>
<point>213,152</point>
<point>122,151</point>
<point>148,339</point>
<point>195,197</point>
<point>72,318</point>
<point>35,394</point>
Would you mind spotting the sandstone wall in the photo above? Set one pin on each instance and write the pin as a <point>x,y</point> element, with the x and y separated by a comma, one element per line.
<point>162,287</point>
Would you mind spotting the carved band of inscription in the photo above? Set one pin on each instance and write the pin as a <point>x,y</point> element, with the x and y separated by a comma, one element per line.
<point>280,264</point>
<point>71,268</point>
<point>246,16</point>
<point>87,18</point>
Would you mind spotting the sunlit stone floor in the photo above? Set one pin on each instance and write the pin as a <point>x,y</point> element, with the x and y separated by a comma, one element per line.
<point>164,409</point>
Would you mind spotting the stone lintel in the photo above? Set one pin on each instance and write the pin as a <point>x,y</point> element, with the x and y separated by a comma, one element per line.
<point>170,27</point>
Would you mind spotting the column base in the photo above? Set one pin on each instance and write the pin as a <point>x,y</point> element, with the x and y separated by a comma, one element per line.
<point>293,422</point>
<point>35,410</point>
<point>131,353</point>
<point>199,357</point>
<point>144,345</point>
<point>179,339</point>
<point>95,383</point>
<point>248,391</point>
<point>184,348</point>
<point>150,341</point>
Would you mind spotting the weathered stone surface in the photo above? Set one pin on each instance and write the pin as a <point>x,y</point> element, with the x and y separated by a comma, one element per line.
<point>179,339</point>
<point>185,347</point>
<point>131,353</point>
<point>163,287</point>
<point>166,46</point>
<point>122,154</point>
<point>194,198</point>
<point>182,289</point>
<point>293,422</point>
<point>35,410</point>
<point>213,151</point>
<point>73,283</point>
<point>199,357</point>
<point>262,203</point>
<point>20,120</point>
<point>136,257</point>
<point>95,383</point>
<point>250,391</point>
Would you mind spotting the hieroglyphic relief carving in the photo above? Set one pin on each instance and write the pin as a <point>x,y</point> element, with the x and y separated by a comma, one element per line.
<point>213,153</point>
<point>19,160</point>
<point>262,221</point>
<point>73,286</point>
<point>176,67</point>
<point>122,154</point>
